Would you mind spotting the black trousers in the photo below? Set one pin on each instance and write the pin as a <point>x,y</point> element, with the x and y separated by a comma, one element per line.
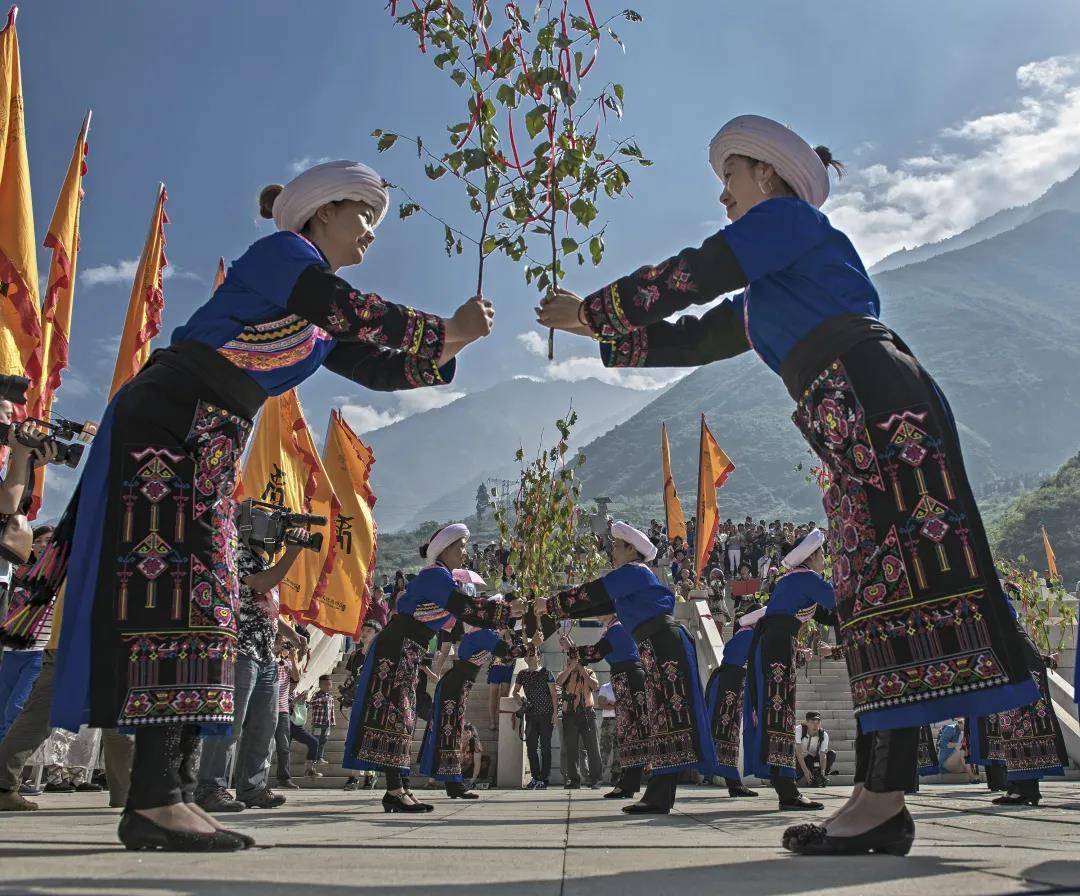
<point>886,761</point>
<point>785,788</point>
<point>538,730</point>
<point>630,780</point>
<point>165,768</point>
<point>814,763</point>
<point>661,790</point>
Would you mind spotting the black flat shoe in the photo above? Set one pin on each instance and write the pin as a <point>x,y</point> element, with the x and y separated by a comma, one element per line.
<point>800,805</point>
<point>619,794</point>
<point>464,795</point>
<point>802,831</point>
<point>246,842</point>
<point>139,832</point>
<point>391,803</point>
<point>425,807</point>
<point>1015,799</point>
<point>645,809</point>
<point>741,791</point>
<point>893,837</point>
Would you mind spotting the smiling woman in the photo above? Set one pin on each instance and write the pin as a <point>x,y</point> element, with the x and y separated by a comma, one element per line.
<point>149,640</point>
<point>923,621</point>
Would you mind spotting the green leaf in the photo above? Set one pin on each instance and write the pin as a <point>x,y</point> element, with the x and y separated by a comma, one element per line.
<point>448,236</point>
<point>507,95</point>
<point>489,245</point>
<point>596,249</point>
<point>583,210</point>
<point>408,208</point>
<point>458,76</point>
<point>419,146</point>
<point>434,171</point>
<point>569,246</point>
<point>536,120</point>
<point>631,16</point>
<point>618,88</point>
<point>386,141</point>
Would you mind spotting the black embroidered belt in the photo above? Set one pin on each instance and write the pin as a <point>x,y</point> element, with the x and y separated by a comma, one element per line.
<point>652,626</point>
<point>467,669</point>
<point>627,665</point>
<point>220,380</point>
<point>827,342</point>
<point>405,625</point>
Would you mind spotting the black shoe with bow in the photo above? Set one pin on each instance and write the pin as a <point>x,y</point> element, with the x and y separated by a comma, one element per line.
<point>893,837</point>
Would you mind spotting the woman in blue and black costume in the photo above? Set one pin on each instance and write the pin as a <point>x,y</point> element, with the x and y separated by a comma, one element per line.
<point>923,621</point>
<point>384,715</point>
<point>800,594</point>
<point>149,621</point>
<point>724,697</point>
<point>441,753</point>
<point>1024,743</point>
<point>618,649</point>
<point>677,718</point>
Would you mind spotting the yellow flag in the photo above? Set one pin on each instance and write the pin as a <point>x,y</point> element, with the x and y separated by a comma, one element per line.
<point>219,276</point>
<point>714,467</point>
<point>348,592</point>
<point>283,467</point>
<point>63,238</point>
<point>147,300</point>
<point>20,328</point>
<point>676,521</point>
<point>1051,557</point>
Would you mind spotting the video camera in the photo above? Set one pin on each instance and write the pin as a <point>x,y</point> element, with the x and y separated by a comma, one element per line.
<point>265,526</point>
<point>35,433</point>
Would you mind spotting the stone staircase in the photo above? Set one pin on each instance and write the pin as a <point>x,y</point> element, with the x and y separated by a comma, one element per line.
<point>823,687</point>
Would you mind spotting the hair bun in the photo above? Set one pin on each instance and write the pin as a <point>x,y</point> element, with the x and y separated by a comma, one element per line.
<point>423,550</point>
<point>826,156</point>
<point>266,199</point>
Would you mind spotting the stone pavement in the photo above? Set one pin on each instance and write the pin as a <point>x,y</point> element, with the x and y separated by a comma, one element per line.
<point>331,843</point>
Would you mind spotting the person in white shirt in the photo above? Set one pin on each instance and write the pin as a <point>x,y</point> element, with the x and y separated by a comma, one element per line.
<point>609,754</point>
<point>812,751</point>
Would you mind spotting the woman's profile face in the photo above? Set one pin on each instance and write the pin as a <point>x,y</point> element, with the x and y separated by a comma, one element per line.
<point>345,231</point>
<point>741,180</point>
<point>454,556</point>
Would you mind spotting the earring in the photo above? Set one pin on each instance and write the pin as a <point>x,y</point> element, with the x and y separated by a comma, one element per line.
<point>761,187</point>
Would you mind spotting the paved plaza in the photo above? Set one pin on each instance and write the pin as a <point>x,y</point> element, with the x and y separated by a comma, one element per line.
<point>554,843</point>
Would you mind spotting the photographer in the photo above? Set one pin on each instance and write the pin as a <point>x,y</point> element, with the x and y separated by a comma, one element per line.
<point>257,686</point>
<point>539,703</point>
<point>16,490</point>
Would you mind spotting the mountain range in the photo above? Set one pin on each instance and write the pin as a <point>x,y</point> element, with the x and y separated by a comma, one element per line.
<point>428,466</point>
<point>1062,196</point>
<point>996,323</point>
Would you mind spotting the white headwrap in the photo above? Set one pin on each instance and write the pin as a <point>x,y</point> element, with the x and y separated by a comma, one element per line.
<point>329,182</point>
<point>442,540</point>
<point>751,618</point>
<point>812,542</point>
<point>769,141</point>
<point>635,538</point>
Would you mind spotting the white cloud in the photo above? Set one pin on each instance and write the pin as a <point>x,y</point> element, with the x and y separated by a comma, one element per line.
<point>364,418</point>
<point>124,272</point>
<point>585,367</point>
<point>971,170</point>
<point>298,165</point>
<point>419,400</point>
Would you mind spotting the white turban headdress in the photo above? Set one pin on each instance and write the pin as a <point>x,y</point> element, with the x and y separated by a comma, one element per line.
<point>635,538</point>
<point>769,141</point>
<point>442,540</point>
<point>330,182</point>
<point>798,554</point>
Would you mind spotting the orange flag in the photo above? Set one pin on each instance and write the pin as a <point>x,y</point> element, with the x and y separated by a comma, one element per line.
<point>63,238</point>
<point>714,467</point>
<point>147,300</point>
<point>219,276</point>
<point>676,521</point>
<point>20,327</point>
<point>283,467</point>
<point>348,592</point>
<point>1051,557</point>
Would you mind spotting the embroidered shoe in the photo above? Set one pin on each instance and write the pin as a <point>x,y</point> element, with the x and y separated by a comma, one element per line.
<point>541,785</point>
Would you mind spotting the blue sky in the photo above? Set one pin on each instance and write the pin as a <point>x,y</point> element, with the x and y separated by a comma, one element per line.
<point>946,112</point>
